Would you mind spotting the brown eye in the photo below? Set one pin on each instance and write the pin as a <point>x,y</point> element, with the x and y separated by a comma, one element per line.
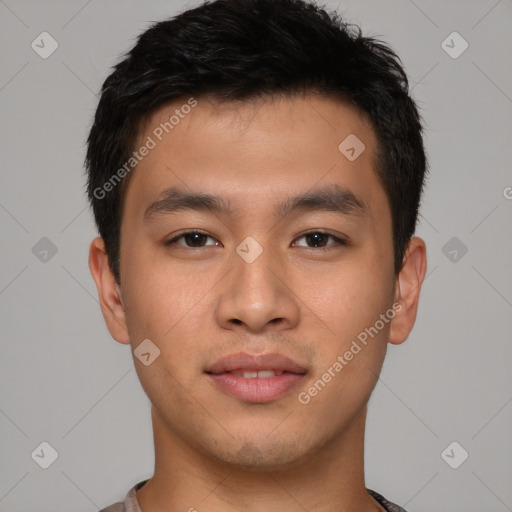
<point>319,239</point>
<point>192,239</point>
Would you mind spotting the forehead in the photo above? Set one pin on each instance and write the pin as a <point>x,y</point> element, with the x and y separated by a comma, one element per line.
<point>256,152</point>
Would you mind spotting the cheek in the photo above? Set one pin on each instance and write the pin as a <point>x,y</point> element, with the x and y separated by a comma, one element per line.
<point>352,349</point>
<point>344,299</point>
<point>168,307</point>
<point>157,294</point>
<point>346,305</point>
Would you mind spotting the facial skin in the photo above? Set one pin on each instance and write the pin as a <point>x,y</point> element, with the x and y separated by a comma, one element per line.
<point>215,452</point>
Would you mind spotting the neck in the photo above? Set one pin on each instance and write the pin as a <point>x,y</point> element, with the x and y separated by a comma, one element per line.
<point>329,480</point>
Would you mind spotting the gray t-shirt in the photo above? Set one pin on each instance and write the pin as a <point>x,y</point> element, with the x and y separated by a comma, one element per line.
<point>130,502</point>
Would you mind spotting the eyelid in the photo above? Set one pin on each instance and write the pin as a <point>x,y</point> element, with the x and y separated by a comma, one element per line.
<point>340,240</point>
<point>189,232</point>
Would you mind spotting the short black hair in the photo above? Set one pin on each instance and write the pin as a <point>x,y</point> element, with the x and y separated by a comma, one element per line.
<point>244,50</point>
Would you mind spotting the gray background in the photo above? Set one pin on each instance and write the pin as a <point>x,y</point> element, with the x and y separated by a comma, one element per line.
<point>65,381</point>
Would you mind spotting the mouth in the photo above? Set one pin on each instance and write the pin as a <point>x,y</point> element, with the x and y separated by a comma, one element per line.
<point>256,374</point>
<point>256,378</point>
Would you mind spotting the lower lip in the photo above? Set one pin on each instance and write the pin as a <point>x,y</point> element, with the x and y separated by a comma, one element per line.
<point>256,389</point>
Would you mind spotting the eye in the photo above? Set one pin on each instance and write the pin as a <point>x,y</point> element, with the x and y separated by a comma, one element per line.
<point>320,238</point>
<point>317,239</point>
<point>194,238</point>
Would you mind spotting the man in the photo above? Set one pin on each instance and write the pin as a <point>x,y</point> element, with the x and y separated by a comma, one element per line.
<point>255,169</point>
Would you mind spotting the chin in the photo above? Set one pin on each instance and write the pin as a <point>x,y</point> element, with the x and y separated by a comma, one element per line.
<point>263,456</point>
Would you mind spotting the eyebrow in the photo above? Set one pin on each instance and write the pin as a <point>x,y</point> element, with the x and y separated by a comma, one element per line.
<point>331,198</point>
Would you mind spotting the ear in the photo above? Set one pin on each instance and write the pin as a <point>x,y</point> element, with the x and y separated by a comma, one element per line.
<point>407,290</point>
<point>109,292</point>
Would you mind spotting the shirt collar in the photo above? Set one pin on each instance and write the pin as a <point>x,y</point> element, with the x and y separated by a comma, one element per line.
<point>131,504</point>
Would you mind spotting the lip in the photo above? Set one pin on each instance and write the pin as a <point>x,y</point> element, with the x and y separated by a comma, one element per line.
<point>256,389</point>
<point>243,361</point>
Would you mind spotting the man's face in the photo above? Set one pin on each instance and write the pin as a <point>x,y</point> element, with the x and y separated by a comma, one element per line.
<point>305,296</point>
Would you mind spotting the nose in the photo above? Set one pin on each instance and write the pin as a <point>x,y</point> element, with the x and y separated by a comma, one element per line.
<point>256,296</point>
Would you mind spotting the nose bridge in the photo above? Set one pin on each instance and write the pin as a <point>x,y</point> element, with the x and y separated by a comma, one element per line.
<point>255,266</point>
<point>254,293</point>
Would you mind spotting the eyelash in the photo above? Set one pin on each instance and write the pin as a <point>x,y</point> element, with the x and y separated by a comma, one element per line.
<point>338,241</point>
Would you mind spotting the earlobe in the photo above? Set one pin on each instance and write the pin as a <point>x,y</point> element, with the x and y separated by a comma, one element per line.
<point>109,292</point>
<point>407,290</point>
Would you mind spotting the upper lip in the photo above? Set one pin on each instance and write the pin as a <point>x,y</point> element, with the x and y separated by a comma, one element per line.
<point>243,361</point>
